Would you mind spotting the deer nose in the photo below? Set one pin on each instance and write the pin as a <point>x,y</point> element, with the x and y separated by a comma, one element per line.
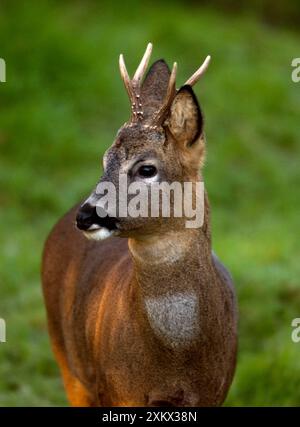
<point>88,216</point>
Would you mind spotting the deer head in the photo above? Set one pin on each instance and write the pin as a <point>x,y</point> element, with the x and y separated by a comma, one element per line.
<point>163,141</point>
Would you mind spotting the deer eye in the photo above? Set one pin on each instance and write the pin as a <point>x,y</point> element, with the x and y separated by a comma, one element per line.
<point>147,171</point>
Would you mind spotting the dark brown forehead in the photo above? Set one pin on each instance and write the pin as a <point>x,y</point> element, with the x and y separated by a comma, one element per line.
<point>138,134</point>
<point>135,141</point>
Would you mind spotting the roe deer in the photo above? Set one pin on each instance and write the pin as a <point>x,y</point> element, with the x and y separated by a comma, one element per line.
<point>148,316</point>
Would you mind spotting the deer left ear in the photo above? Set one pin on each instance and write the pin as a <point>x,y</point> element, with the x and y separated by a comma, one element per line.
<point>185,120</point>
<point>185,123</point>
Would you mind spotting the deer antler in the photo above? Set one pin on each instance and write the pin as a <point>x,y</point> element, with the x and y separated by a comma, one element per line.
<point>133,86</point>
<point>201,70</point>
<point>171,91</point>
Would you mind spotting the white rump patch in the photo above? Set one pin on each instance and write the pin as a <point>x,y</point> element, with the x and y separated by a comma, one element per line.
<point>175,318</point>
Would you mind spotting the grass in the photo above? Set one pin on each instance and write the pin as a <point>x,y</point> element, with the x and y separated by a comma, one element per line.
<point>60,109</point>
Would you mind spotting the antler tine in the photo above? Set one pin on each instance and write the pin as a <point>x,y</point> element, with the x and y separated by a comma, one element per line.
<point>171,90</point>
<point>133,87</point>
<point>196,76</point>
<point>172,83</point>
<point>125,77</point>
<point>143,66</point>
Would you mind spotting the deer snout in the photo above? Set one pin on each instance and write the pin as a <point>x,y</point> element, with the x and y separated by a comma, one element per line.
<point>87,218</point>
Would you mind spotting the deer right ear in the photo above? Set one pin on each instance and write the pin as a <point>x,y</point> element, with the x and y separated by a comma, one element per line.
<point>185,120</point>
<point>154,87</point>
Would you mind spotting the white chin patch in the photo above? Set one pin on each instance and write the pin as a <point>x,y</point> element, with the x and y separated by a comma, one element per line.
<point>99,234</point>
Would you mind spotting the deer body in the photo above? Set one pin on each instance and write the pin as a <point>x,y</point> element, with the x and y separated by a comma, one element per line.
<point>147,318</point>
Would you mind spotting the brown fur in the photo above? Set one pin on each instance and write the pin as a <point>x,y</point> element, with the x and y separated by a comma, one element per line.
<point>96,293</point>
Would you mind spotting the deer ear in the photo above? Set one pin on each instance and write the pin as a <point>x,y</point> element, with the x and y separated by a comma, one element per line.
<point>185,120</point>
<point>154,87</point>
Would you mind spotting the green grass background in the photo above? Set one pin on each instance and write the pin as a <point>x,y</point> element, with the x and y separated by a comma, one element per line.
<point>60,109</point>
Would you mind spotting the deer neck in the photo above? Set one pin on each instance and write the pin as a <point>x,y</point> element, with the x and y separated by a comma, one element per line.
<point>171,271</point>
<point>169,263</point>
<point>173,261</point>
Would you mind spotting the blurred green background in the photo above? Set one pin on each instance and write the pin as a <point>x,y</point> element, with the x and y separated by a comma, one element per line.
<point>60,109</point>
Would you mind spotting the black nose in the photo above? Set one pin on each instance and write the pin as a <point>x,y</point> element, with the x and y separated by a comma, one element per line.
<point>87,216</point>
